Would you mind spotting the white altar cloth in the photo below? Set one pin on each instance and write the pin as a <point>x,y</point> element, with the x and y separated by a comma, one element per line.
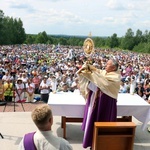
<point>71,104</point>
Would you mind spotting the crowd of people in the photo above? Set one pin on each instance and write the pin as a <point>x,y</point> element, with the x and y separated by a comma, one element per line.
<point>26,70</point>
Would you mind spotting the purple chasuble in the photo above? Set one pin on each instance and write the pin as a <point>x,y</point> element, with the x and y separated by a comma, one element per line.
<point>104,109</point>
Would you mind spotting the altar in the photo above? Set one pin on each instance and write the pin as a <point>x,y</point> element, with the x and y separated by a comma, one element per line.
<point>71,105</point>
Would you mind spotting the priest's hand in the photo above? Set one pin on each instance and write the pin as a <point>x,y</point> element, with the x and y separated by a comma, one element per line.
<point>86,68</point>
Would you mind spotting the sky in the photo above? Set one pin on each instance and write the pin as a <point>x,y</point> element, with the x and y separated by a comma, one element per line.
<point>80,17</point>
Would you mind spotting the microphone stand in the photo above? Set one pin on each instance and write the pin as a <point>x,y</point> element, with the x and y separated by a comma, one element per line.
<point>0,132</point>
<point>14,91</point>
<point>1,135</point>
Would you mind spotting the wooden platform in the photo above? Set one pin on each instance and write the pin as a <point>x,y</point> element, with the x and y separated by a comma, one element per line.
<point>113,136</point>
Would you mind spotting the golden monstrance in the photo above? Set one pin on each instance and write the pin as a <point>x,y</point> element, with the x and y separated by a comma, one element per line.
<point>88,46</point>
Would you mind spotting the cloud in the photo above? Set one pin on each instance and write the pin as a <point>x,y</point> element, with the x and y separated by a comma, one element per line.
<point>14,4</point>
<point>53,16</point>
<point>135,5</point>
<point>143,24</point>
<point>108,19</point>
<point>117,21</point>
<point>73,16</point>
<point>115,4</point>
<point>51,0</point>
<point>19,6</point>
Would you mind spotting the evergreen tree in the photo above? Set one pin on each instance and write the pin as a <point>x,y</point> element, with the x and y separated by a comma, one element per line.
<point>1,26</point>
<point>114,42</point>
<point>11,30</point>
<point>41,38</point>
<point>128,40</point>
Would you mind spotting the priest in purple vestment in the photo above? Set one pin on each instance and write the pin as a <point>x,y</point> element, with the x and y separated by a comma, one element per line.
<point>100,89</point>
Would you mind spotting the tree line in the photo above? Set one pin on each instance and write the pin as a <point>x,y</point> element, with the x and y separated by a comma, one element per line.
<point>12,32</point>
